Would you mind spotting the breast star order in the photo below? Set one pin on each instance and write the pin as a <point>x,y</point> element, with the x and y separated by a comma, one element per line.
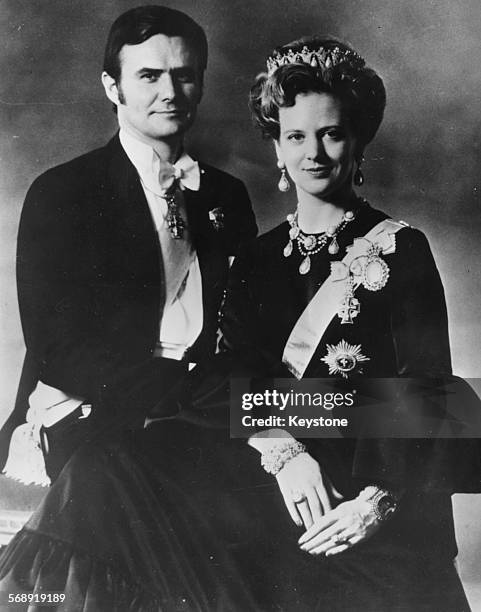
<point>344,358</point>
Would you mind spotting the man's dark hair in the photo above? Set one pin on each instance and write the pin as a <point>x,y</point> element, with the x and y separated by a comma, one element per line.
<point>139,24</point>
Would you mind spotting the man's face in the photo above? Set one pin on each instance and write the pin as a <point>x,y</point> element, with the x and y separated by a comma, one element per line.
<point>159,89</point>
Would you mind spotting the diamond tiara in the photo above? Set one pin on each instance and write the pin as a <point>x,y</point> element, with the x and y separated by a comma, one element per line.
<point>322,58</point>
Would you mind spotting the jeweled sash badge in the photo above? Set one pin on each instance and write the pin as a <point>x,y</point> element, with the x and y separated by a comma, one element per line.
<point>367,269</point>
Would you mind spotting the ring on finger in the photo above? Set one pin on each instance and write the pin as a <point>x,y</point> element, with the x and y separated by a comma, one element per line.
<point>298,497</point>
<point>339,539</point>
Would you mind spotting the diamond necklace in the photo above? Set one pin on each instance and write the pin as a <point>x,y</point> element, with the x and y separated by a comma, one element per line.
<point>311,244</point>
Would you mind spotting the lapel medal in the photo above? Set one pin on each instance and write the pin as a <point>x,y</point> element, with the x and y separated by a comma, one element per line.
<point>216,217</point>
<point>344,358</point>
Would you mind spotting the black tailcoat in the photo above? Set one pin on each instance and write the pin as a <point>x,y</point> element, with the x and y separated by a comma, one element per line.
<point>89,269</point>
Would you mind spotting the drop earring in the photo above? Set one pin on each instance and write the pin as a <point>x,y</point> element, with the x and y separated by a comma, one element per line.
<point>283,184</point>
<point>358,175</point>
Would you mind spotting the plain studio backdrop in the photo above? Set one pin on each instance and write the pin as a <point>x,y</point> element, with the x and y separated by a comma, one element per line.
<point>423,167</point>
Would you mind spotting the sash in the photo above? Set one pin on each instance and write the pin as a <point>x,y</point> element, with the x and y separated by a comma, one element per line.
<point>313,322</point>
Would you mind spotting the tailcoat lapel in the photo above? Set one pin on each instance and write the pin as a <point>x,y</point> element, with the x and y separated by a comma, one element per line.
<point>133,269</point>
<point>133,219</point>
<point>132,228</point>
<point>205,238</point>
<point>212,260</point>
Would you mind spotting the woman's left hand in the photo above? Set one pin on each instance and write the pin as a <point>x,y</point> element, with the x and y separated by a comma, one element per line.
<point>348,524</point>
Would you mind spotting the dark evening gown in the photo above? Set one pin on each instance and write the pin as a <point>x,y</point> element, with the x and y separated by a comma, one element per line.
<point>179,516</point>
<point>408,563</point>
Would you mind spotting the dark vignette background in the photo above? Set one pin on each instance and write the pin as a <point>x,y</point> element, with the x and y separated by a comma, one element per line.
<point>423,167</point>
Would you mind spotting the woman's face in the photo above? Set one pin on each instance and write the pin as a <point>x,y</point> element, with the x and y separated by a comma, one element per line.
<point>317,145</point>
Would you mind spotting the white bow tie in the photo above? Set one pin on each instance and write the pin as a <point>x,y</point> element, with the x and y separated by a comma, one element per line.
<point>185,172</point>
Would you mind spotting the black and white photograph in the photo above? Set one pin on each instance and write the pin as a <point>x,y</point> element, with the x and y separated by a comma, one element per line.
<point>240,335</point>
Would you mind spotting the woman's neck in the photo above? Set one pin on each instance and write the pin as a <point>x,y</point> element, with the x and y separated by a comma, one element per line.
<point>316,215</point>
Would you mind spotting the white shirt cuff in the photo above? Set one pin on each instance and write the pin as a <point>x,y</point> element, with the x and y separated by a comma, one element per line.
<point>49,405</point>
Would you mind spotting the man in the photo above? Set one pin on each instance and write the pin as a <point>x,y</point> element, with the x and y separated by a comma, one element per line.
<point>123,252</point>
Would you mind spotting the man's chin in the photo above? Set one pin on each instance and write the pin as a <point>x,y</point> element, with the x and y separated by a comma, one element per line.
<point>174,126</point>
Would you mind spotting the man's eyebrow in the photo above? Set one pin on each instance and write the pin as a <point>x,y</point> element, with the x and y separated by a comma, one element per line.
<point>159,71</point>
<point>156,71</point>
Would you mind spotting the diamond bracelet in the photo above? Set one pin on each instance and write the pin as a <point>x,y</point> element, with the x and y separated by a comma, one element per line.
<point>274,459</point>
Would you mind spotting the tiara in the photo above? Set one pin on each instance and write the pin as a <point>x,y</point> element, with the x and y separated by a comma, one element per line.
<point>322,58</point>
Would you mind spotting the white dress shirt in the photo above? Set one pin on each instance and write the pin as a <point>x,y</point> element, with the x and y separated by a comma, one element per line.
<point>181,322</point>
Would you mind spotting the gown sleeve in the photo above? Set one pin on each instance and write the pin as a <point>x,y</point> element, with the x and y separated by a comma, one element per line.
<point>419,328</point>
<point>419,319</point>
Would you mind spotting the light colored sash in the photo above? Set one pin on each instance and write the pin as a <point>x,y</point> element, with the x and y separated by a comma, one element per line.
<point>313,322</point>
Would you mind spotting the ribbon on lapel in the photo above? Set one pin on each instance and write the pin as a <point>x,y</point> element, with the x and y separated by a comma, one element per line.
<point>313,322</point>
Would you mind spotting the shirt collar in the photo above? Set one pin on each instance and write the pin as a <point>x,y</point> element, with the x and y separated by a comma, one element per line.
<point>147,164</point>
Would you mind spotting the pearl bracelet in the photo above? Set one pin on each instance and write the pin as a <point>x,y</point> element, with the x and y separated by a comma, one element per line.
<point>274,459</point>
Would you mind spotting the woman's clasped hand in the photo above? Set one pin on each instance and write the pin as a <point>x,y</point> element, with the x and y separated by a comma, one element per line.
<point>346,525</point>
<point>332,525</point>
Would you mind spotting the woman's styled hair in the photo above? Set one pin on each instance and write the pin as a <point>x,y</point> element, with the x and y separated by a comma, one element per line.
<point>139,24</point>
<point>320,65</point>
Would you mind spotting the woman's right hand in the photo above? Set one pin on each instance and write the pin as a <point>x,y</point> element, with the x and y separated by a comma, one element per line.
<point>307,493</point>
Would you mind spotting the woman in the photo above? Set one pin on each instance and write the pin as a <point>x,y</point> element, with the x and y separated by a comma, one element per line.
<point>202,527</point>
<point>339,290</point>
